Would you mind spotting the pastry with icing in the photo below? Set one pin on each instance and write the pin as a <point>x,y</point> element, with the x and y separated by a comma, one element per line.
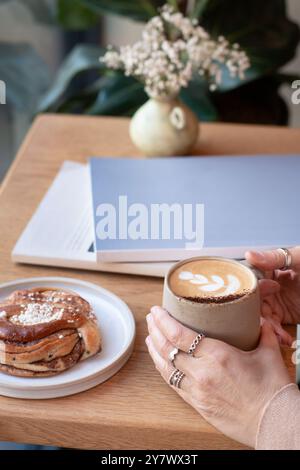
<point>45,331</point>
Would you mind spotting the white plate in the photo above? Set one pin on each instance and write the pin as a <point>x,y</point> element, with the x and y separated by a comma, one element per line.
<point>117,328</point>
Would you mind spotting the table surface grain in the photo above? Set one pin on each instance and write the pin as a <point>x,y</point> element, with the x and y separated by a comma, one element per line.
<point>134,409</point>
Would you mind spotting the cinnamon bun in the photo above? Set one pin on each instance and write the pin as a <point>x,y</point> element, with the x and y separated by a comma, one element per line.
<point>45,331</point>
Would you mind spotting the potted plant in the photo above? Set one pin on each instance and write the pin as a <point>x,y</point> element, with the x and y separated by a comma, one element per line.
<point>262,29</point>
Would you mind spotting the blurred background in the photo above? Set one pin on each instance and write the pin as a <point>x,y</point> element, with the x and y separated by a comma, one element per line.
<point>49,51</point>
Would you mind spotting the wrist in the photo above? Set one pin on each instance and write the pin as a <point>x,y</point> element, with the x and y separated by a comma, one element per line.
<point>277,417</point>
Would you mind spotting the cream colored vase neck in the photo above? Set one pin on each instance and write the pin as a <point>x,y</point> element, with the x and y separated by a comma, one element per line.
<point>164,127</point>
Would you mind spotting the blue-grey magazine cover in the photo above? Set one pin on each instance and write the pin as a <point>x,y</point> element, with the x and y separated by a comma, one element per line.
<point>172,208</point>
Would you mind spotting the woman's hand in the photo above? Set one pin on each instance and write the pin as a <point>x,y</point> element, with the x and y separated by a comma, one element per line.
<point>281,291</point>
<point>228,387</point>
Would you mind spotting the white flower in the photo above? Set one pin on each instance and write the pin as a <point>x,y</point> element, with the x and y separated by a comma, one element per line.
<point>173,48</point>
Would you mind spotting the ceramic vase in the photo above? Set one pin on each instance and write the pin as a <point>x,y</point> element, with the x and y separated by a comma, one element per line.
<point>164,127</point>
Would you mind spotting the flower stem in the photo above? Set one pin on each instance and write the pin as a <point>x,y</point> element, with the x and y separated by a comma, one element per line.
<point>190,8</point>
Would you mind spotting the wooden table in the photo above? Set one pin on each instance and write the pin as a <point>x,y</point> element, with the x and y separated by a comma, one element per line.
<point>135,409</point>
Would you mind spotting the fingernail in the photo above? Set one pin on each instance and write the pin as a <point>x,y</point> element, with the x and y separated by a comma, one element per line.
<point>258,255</point>
<point>148,317</point>
<point>147,340</point>
<point>155,310</point>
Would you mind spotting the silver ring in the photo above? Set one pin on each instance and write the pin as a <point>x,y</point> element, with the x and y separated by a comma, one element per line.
<point>195,343</point>
<point>287,258</point>
<point>179,380</point>
<point>172,356</point>
<point>176,377</point>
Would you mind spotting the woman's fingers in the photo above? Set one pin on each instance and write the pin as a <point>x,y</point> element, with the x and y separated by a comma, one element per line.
<point>284,338</point>
<point>181,337</point>
<point>177,334</point>
<point>164,367</point>
<point>273,259</point>
<point>182,361</point>
<point>268,287</point>
<point>268,337</point>
<point>269,343</point>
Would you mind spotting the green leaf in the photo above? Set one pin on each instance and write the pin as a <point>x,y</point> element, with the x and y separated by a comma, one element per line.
<point>262,29</point>
<point>82,59</point>
<point>140,10</point>
<point>199,7</point>
<point>74,15</point>
<point>118,96</point>
<point>257,102</point>
<point>25,74</point>
<point>197,97</point>
<point>78,103</point>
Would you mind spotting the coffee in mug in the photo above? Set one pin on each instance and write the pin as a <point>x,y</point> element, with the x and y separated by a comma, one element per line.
<point>216,296</point>
<point>209,280</point>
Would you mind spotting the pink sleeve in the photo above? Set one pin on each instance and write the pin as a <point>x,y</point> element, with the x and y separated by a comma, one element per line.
<point>279,427</point>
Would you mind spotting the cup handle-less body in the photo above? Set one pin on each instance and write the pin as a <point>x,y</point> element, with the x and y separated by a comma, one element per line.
<point>236,322</point>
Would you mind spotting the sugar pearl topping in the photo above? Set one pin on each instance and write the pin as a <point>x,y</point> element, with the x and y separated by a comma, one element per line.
<point>35,313</point>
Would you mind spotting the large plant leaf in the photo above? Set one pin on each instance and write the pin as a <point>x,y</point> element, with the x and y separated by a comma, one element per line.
<point>118,96</point>
<point>82,59</point>
<point>261,27</point>
<point>199,8</point>
<point>122,96</point>
<point>257,102</point>
<point>112,94</point>
<point>140,10</point>
<point>25,74</point>
<point>75,15</point>
<point>198,98</point>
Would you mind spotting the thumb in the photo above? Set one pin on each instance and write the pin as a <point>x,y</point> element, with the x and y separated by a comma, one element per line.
<point>268,338</point>
<point>273,259</point>
<point>283,337</point>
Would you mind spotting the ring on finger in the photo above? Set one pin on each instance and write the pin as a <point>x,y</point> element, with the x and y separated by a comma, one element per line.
<point>176,377</point>
<point>172,356</point>
<point>179,380</point>
<point>195,343</point>
<point>287,258</point>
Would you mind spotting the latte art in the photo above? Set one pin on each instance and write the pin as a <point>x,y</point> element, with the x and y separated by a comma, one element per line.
<point>230,286</point>
<point>210,278</point>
